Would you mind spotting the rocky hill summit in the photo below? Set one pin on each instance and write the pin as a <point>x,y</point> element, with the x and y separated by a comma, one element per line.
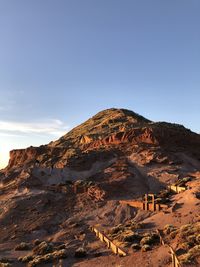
<point>104,131</point>
<point>103,125</point>
<point>56,191</point>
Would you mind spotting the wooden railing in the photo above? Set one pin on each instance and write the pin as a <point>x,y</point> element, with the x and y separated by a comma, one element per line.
<point>175,260</point>
<point>176,189</point>
<point>117,250</point>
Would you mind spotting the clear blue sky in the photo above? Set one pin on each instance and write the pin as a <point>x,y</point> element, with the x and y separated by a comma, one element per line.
<point>61,61</point>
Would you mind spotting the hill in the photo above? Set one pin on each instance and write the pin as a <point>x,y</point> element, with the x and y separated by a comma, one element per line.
<point>56,191</point>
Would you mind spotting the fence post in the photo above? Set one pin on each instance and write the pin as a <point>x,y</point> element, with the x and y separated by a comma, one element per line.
<point>60,263</point>
<point>146,201</point>
<point>173,259</point>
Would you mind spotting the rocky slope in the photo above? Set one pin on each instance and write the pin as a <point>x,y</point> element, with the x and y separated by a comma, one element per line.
<point>109,129</point>
<point>117,155</point>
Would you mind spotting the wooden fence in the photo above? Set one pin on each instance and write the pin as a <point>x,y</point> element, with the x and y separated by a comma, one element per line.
<point>176,189</point>
<point>120,252</point>
<point>117,250</point>
<point>175,261</point>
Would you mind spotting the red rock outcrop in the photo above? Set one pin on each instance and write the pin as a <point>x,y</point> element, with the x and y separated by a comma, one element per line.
<point>109,128</point>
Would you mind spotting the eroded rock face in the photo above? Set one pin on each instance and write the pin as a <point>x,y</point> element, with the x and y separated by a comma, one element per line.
<point>23,156</point>
<point>103,132</point>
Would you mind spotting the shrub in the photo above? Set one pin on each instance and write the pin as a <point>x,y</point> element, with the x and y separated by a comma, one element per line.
<point>186,230</point>
<point>191,239</point>
<point>135,246</point>
<point>168,229</point>
<point>61,247</point>
<point>4,260</point>
<point>149,240</point>
<point>135,225</point>
<point>40,259</point>
<point>146,240</point>
<point>5,264</point>
<point>43,248</point>
<point>185,245</point>
<point>26,258</point>
<point>185,258</point>
<point>198,238</point>
<point>173,234</point>
<point>37,242</point>
<point>49,257</point>
<point>116,229</point>
<point>145,248</point>
<point>23,246</point>
<point>131,237</point>
<point>195,251</point>
<point>80,253</point>
<point>155,238</point>
<point>60,254</point>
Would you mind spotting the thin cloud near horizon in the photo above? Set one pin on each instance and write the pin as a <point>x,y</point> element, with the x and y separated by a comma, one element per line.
<point>53,127</point>
<point>16,135</point>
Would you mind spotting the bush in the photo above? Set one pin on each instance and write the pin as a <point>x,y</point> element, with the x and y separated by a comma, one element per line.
<point>173,234</point>
<point>198,238</point>
<point>5,264</point>
<point>80,253</point>
<point>145,248</point>
<point>186,230</point>
<point>191,239</point>
<point>168,229</point>
<point>135,225</point>
<point>63,246</point>
<point>23,246</point>
<point>155,238</point>
<point>37,242</point>
<point>4,260</point>
<point>149,240</point>
<point>40,259</point>
<point>50,257</point>
<point>185,245</point>
<point>43,248</point>
<point>135,246</point>
<point>26,258</point>
<point>195,251</point>
<point>131,237</point>
<point>60,254</point>
<point>186,258</point>
<point>116,229</point>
